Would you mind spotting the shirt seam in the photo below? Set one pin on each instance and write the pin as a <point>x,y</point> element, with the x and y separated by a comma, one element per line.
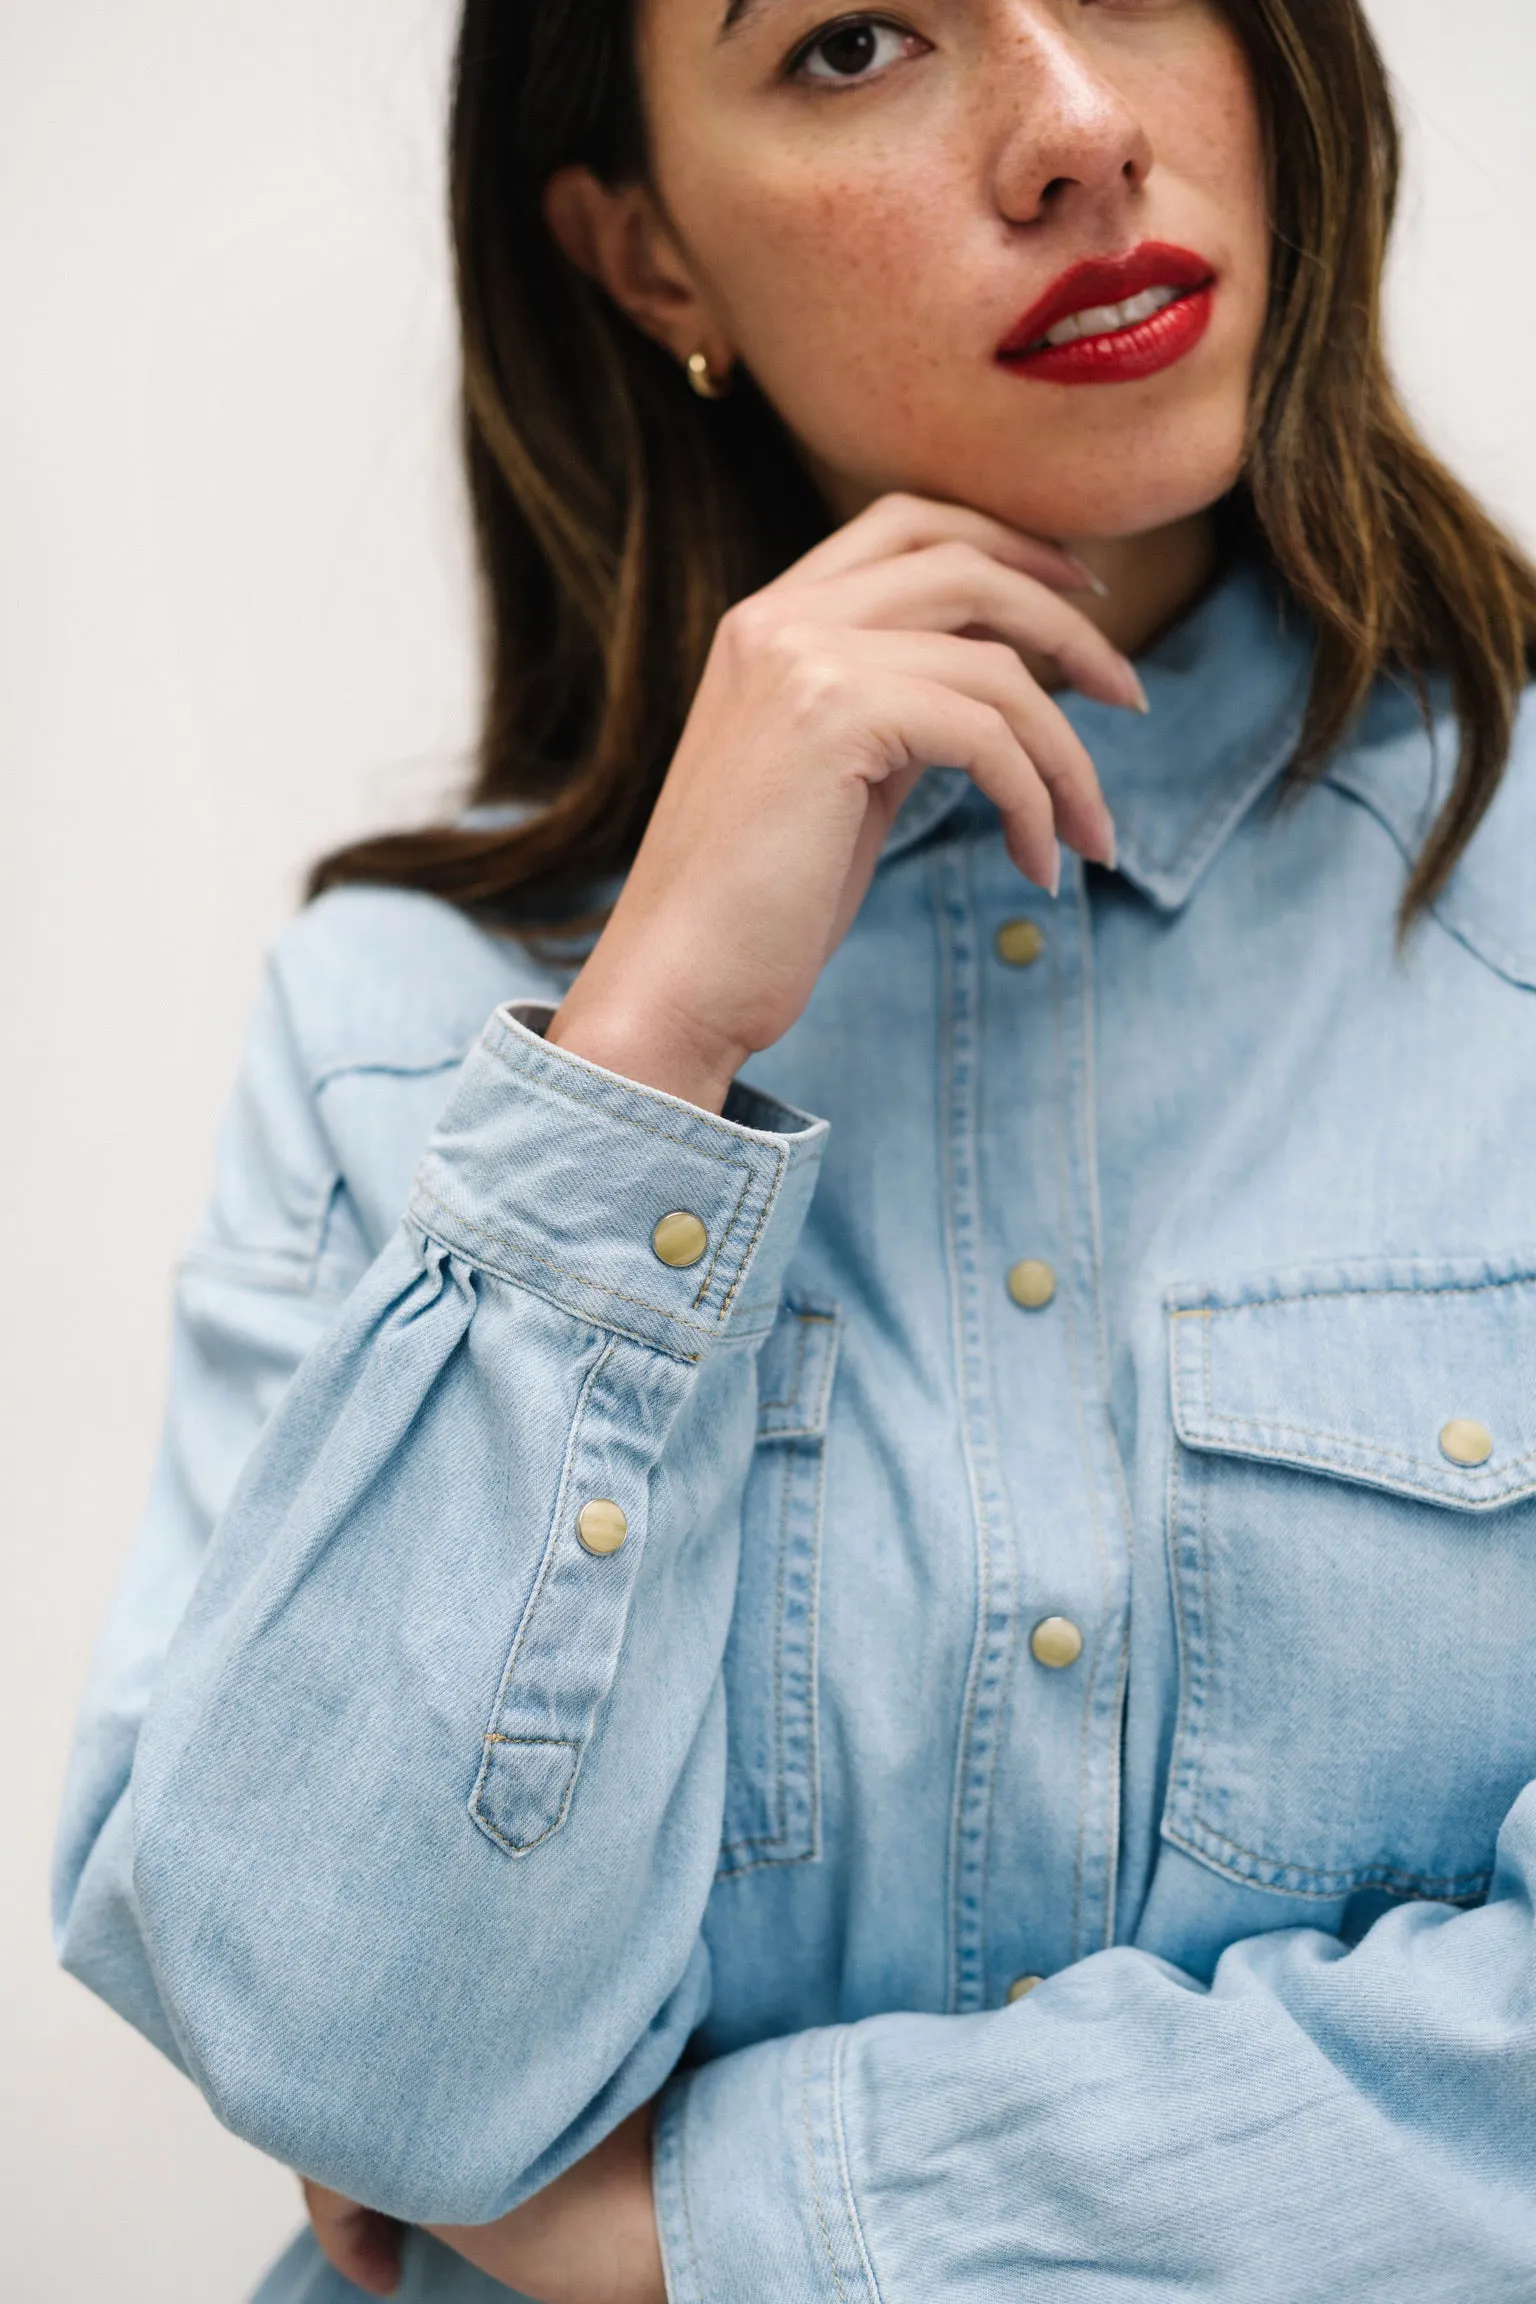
<point>845,2173</point>
<point>562,1271</point>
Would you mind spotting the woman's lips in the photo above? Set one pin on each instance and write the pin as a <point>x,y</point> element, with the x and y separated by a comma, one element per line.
<point>1124,345</point>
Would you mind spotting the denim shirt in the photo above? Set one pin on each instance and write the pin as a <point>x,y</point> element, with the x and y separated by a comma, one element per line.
<point>1041,1788</point>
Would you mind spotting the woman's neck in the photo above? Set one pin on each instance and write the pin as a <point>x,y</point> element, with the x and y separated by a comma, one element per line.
<point>1150,580</point>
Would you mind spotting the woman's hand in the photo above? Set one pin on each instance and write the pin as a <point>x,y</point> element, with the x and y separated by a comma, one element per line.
<point>363,2246</point>
<point>588,2238</point>
<point>896,643</point>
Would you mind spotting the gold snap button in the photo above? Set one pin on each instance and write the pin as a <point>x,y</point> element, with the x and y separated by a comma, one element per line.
<point>680,1239</point>
<point>1019,943</point>
<point>1022,1986</point>
<point>1032,1284</point>
<point>1465,1442</point>
<point>1056,1641</point>
<point>601,1526</point>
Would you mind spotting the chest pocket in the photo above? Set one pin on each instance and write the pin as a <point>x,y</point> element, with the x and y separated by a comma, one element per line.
<point>772,1802</point>
<point>1354,1550</point>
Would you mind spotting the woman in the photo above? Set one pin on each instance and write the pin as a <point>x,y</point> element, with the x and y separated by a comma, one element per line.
<point>868,1569</point>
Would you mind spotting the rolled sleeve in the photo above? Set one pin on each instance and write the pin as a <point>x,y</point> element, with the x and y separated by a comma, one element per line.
<point>391,1763</point>
<point>554,1174</point>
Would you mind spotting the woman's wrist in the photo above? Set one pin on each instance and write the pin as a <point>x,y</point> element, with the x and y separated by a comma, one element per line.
<point>588,2238</point>
<point>649,1043</point>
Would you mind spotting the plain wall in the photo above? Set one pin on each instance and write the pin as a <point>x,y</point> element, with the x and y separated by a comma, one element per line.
<point>236,625</point>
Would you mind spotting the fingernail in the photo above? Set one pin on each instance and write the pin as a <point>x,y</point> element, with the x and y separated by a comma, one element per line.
<point>1111,848</point>
<point>1086,577</point>
<point>1140,697</point>
<point>1053,885</point>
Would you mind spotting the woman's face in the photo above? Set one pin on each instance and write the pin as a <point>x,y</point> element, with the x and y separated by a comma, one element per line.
<point>870,204</point>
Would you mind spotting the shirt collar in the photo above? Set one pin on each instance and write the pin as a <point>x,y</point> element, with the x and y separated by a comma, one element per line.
<point>1228,690</point>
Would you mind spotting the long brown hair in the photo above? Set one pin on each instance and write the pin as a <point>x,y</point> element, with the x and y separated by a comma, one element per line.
<point>617,516</point>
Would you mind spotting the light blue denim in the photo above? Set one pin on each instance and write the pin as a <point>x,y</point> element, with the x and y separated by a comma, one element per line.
<point>430,1843</point>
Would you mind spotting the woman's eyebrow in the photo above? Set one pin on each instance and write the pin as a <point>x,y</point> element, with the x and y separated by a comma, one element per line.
<point>736,14</point>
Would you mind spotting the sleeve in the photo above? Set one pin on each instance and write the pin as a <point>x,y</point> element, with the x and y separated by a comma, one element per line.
<point>397,1792</point>
<point>1321,2121</point>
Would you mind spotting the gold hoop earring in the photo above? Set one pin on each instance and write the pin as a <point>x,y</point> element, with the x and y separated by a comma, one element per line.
<point>708,387</point>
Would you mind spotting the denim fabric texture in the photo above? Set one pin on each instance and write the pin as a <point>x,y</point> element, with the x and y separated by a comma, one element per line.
<point>429,1843</point>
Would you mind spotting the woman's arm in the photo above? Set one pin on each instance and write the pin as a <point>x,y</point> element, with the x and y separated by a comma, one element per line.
<point>588,2238</point>
<point>409,1865</point>
<point>1321,2123</point>
<point>401,1865</point>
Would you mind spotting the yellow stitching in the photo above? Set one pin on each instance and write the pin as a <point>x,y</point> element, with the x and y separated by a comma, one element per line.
<point>727,1229</point>
<point>810,2156</point>
<point>1314,1433</point>
<point>1069,1314</point>
<point>556,1522</point>
<point>778,1838</point>
<point>1443,1495</point>
<point>1109,1440</point>
<point>1454,1886</point>
<point>943,870</point>
<point>1486,1473</point>
<point>1328,1295</point>
<point>1187,1771</point>
<point>813,1459</point>
<point>812,1422</point>
<point>763,1215</point>
<point>813,1658</point>
<point>519,1847</point>
<point>605,1325</point>
<point>793,1394</point>
<point>517,1063</point>
<point>1180,1760</point>
<point>759,1863</point>
<point>500,1240</point>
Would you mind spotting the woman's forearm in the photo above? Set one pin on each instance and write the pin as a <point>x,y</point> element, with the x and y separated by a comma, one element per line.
<point>588,2238</point>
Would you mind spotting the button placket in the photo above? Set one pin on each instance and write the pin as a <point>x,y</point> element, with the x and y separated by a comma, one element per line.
<point>1055,1826</point>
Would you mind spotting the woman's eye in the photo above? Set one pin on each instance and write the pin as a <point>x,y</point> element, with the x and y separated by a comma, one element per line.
<point>858,48</point>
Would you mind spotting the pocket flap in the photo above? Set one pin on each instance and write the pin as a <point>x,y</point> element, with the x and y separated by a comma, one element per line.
<point>794,1372</point>
<point>1358,1373</point>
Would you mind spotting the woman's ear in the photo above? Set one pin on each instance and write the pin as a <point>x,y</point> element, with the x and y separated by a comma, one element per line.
<point>618,235</point>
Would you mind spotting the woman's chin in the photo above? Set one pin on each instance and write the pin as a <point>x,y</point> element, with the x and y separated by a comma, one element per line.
<point>1093,506</point>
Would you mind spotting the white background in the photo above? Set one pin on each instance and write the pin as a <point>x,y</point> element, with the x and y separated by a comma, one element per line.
<point>235,626</point>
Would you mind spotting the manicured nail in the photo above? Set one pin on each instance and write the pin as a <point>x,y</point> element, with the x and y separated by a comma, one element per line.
<point>1053,885</point>
<point>1139,699</point>
<point>1111,848</point>
<point>1086,577</point>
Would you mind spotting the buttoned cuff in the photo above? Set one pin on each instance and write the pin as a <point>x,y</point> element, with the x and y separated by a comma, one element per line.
<point>555,1173</point>
<point>751,2183</point>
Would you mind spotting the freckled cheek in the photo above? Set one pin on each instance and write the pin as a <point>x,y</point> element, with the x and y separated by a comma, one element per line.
<point>1224,153</point>
<point>837,262</point>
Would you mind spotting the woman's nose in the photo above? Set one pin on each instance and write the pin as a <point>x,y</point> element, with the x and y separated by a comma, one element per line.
<point>1069,130</point>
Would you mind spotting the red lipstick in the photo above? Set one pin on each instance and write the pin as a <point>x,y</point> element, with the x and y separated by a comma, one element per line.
<point>1111,354</point>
